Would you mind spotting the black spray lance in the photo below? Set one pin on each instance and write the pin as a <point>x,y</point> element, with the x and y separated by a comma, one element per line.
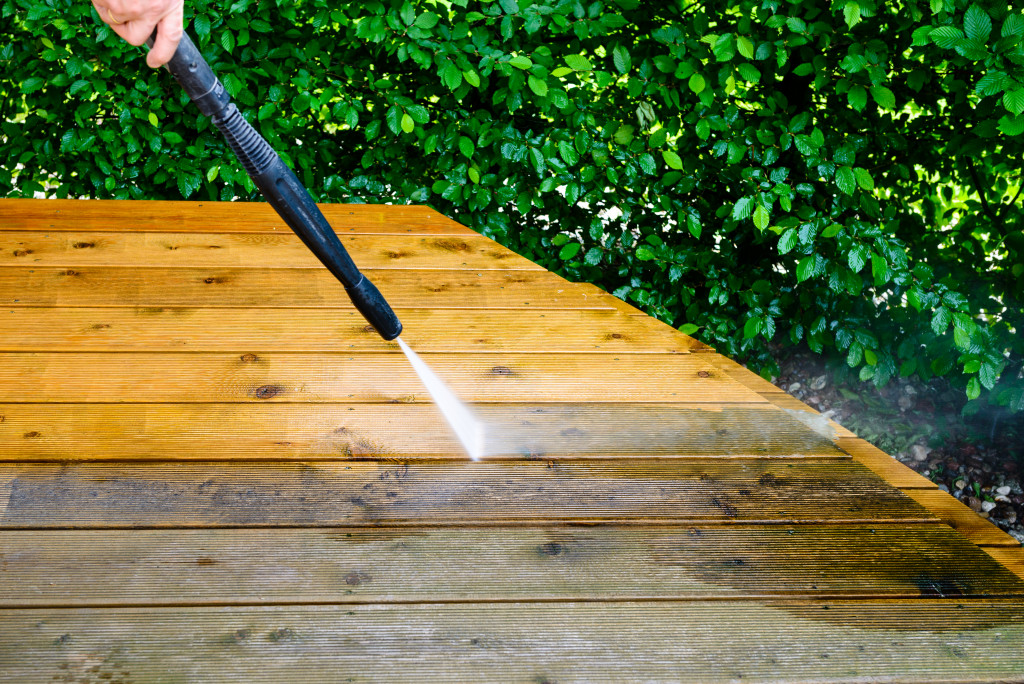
<point>278,184</point>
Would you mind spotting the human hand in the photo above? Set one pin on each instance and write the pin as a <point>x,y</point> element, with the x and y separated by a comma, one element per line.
<point>134,20</point>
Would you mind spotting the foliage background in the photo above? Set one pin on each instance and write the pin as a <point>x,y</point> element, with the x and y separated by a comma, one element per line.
<point>842,174</point>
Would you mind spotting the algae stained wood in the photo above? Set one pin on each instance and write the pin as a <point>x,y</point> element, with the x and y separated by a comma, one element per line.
<point>211,468</point>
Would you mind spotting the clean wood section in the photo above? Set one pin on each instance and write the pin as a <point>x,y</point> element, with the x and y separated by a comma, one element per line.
<point>375,378</point>
<point>33,249</point>
<point>239,287</point>
<point>863,640</point>
<point>141,216</point>
<point>343,431</point>
<point>961,518</point>
<point>366,565</point>
<point>212,469</point>
<point>100,329</point>
<point>535,492</point>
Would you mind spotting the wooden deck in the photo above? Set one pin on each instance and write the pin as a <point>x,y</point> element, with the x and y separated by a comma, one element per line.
<point>211,470</point>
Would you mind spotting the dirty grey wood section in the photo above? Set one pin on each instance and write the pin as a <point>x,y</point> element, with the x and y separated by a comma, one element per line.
<point>211,469</point>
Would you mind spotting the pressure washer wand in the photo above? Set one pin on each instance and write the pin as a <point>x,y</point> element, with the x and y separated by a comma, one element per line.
<point>279,185</point>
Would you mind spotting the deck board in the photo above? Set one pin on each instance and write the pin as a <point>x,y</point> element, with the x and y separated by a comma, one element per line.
<point>301,431</point>
<point>444,565</point>
<point>102,329</point>
<point>376,492</point>
<point>560,642</point>
<point>211,468</point>
<point>231,286</point>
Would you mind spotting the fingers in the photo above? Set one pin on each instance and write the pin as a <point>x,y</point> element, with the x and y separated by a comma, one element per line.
<point>168,34</point>
<point>134,20</point>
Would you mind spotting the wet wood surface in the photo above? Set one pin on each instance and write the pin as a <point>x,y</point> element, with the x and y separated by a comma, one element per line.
<point>212,469</point>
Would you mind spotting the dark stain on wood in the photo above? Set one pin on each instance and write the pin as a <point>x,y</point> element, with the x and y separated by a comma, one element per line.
<point>205,561</point>
<point>268,391</point>
<point>22,252</point>
<point>450,245</point>
<point>83,245</point>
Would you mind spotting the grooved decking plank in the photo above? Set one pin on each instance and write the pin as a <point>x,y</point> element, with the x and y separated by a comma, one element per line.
<point>1010,557</point>
<point>565,642</point>
<point>342,431</point>
<point>325,330</point>
<point>215,217</point>
<point>894,472</point>
<point>32,249</point>
<point>366,565</point>
<point>225,286</point>
<point>329,494</point>
<point>85,377</point>
<point>961,518</point>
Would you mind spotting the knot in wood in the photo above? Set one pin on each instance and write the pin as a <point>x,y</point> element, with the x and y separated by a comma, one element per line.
<point>501,370</point>
<point>249,358</point>
<point>703,374</point>
<point>268,391</point>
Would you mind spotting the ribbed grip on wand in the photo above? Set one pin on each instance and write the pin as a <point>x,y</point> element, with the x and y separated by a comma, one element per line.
<point>252,150</point>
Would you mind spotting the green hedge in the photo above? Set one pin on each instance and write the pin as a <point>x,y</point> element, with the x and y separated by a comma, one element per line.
<point>841,174</point>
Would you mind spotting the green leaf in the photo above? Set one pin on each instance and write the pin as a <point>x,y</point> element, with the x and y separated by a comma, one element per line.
<point>1011,125</point>
<point>521,62</point>
<point>788,241</point>
<point>472,78</point>
<point>703,129</point>
<point>644,253</point>
<point>883,97</point>
<point>947,37</point>
<point>977,24</point>
<point>846,180</point>
<point>201,24</point>
<point>805,269</point>
<point>561,71</point>
<point>538,85</point>
<point>407,123</point>
<point>724,48</point>
<point>1013,26</point>
<point>624,134</point>
<point>153,119</point>
<point>227,41</point>
<point>466,146</point>
<point>688,328</point>
<point>940,320</point>
<point>745,47</point>
<point>568,153</point>
<point>620,56</point>
<point>569,251</point>
<point>1014,101</point>
<point>973,388</point>
<point>752,327</point>
<point>672,160</point>
<point>32,84</point>
<point>857,96</point>
<point>696,83</point>
<point>452,76</point>
<point>427,20</point>
<point>857,257</point>
<point>864,179</point>
<point>851,13</point>
<point>743,208</point>
<point>761,217</point>
<point>578,63</point>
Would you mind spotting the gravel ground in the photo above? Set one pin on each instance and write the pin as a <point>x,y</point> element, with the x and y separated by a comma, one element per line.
<point>979,459</point>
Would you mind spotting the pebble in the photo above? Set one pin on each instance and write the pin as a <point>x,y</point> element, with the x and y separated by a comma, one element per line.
<point>905,402</point>
<point>794,387</point>
<point>960,484</point>
<point>943,488</point>
<point>1003,491</point>
<point>987,506</point>
<point>919,452</point>
<point>819,383</point>
<point>974,503</point>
